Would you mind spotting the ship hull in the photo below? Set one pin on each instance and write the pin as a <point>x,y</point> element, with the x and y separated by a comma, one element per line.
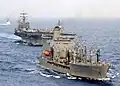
<point>33,42</point>
<point>47,64</point>
<point>31,38</point>
<point>93,72</point>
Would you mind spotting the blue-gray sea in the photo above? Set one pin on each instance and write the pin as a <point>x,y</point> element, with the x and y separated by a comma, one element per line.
<point>19,65</point>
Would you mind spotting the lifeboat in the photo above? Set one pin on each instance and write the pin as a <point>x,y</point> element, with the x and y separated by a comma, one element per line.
<point>46,52</point>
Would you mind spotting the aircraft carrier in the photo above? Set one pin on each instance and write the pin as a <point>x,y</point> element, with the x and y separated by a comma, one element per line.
<point>30,36</point>
<point>65,55</point>
<point>34,37</point>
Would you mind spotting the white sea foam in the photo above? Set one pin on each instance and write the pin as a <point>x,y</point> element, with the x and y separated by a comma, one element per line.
<point>112,73</point>
<point>117,73</point>
<point>45,75</point>
<point>56,76</point>
<point>10,36</point>
<point>34,72</point>
<point>48,75</point>
<point>17,43</point>
<point>71,78</point>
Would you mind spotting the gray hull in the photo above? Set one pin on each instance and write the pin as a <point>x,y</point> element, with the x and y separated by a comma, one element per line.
<point>34,42</point>
<point>32,38</point>
<point>95,72</point>
<point>43,62</point>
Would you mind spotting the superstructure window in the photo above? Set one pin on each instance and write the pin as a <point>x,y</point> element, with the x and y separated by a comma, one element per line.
<point>65,43</point>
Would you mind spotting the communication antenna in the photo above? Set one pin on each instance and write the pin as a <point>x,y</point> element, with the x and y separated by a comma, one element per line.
<point>23,15</point>
<point>60,25</point>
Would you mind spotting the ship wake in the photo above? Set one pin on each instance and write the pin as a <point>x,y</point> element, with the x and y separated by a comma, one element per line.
<point>49,75</point>
<point>9,36</point>
<point>46,73</point>
<point>112,74</point>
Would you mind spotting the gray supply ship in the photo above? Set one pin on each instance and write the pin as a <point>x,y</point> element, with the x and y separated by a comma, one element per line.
<point>64,55</point>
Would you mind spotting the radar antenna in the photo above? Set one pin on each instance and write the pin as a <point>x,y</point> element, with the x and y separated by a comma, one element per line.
<point>23,15</point>
<point>59,23</point>
<point>60,26</point>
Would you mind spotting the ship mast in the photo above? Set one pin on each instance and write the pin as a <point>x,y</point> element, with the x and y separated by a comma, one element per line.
<point>23,15</point>
<point>59,23</point>
<point>60,26</point>
<point>23,24</point>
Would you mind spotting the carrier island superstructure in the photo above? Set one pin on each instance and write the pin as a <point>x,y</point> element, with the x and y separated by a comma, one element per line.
<point>64,55</point>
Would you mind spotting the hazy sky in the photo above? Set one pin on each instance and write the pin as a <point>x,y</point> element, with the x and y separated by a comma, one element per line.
<point>61,8</point>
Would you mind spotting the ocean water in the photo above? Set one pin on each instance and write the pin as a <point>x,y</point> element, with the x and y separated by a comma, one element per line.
<point>19,65</point>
